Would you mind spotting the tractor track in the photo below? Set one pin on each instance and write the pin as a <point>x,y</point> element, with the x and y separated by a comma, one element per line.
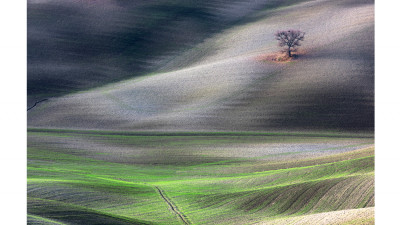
<point>172,207</point>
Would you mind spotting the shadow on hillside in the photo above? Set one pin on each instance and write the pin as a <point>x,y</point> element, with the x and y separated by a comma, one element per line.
<point>78,45</point>
<point>333,109</point>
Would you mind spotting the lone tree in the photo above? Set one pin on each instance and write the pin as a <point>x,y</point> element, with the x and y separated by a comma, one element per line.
<point>289,39</point>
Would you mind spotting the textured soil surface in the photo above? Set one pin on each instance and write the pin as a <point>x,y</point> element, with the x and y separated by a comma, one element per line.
<point>181,112</point>
<point>226,88</point>
<point>363,216</point>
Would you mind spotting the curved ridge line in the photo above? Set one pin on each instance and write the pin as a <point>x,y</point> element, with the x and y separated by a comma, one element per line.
<point>37,103</point>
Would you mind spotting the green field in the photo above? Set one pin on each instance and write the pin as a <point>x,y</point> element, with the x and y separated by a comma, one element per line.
<point>170,112</point>
<point>86,177</point>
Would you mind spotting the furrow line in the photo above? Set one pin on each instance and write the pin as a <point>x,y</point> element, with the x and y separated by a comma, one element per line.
<point>37,102</point>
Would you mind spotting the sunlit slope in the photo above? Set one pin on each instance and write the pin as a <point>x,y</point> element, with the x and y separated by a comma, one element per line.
<point>74,45</point>
<point>363,216</point>
<point>270,177</point>
<point>331,86</point>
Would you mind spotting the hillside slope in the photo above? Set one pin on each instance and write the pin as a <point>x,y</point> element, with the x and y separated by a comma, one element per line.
<point>223,85</point>
<point>75,45</point>
<point>362,216</point>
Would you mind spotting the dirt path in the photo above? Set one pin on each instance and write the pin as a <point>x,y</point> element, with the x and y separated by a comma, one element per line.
<point>171,205</point>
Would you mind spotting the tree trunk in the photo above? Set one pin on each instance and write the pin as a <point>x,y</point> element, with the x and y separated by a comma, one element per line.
<point>290,53</point>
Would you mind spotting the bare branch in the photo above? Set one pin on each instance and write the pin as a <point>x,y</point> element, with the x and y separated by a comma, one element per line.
<point>290,38</point>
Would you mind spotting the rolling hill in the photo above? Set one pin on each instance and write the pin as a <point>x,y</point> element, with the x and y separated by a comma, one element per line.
<point>102,177</point>
<point>75,45</point>
<point>170,112</point>
<point>228,87</point>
